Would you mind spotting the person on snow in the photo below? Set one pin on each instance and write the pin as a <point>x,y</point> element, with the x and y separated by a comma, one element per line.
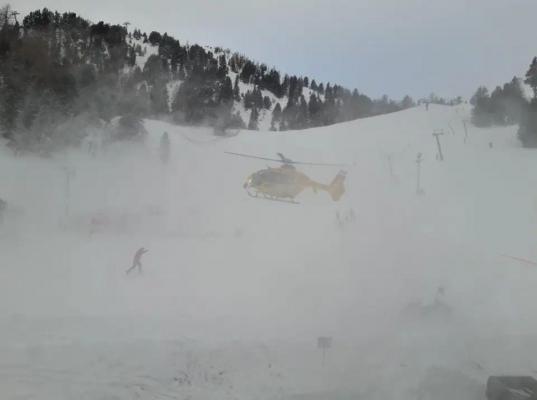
<point>136,262</point>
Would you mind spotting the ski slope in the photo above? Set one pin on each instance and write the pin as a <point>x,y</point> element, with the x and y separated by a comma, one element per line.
<point>235,291</point>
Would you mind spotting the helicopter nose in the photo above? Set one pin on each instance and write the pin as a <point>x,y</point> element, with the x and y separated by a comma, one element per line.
<point>245,185</point>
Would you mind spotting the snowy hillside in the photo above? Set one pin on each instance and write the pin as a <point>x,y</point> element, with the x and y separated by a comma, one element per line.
<point>235,291</point>
<point>87,74</point>
<point>265,115</point>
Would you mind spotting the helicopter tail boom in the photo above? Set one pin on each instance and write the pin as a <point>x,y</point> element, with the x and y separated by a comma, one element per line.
<point>337,187</point>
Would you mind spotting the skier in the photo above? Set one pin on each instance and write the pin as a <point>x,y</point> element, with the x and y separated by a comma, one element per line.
<point>136,262</point>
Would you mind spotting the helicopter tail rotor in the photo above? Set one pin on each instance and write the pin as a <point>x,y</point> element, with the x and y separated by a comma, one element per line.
<point>337,187</point>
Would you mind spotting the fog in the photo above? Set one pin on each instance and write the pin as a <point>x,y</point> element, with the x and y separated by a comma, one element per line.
<point>415,291</point>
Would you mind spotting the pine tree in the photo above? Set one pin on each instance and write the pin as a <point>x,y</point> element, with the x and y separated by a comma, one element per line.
<point>10,106</point>
<point>531,77</point>
<point>154,38</point>
<point>285,86</point>
<point>132,57</point>
<point>248,100</point>
<point>314,109</point>
<point>254,115</point>
<point>328,93</point>
<point>514,101</point>
<point>236,89</point>
<point>527,132</point>
<point>222,67</point>
<point>407,102</point>
<point>159,98</point>
<point>267,104</point>
<point>258,98</point>
<point>480,93</point>
<point>497,107</point>
<point>30,110</point>
<point>302,119</point>
<point>481,115</point>
<point>153,69</point>
<point>226,90</point>
<point>293,89</point>
<point>248,71</point>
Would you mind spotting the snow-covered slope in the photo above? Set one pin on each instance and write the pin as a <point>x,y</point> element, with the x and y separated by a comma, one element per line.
<point>235,291</point>
<point>265,115</point>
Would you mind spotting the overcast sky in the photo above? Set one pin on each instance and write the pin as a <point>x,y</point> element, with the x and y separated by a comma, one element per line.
<point>380,47</point>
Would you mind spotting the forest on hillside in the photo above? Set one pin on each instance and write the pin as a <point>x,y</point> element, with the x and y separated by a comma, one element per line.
<point>62,76</point>
<point>510,105</point>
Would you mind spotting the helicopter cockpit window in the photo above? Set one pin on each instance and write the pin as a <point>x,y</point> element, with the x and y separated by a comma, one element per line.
<point>261,177</point>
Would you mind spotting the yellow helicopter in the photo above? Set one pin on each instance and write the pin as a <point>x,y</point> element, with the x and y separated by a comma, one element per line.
<point>284,183</point>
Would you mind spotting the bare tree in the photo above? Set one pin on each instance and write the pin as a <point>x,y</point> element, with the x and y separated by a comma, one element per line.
<point>7,16</point>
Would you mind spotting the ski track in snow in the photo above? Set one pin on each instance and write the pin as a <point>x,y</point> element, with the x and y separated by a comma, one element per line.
<point>235,291</point>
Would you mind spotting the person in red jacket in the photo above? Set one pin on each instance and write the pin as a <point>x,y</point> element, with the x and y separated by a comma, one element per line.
<point>136,262</point>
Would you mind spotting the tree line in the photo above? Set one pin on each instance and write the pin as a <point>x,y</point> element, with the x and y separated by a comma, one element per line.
<point>509,105</point>
<point>61,75</point>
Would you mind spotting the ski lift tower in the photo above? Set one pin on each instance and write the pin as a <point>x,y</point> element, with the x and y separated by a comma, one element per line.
<point>437,135</point>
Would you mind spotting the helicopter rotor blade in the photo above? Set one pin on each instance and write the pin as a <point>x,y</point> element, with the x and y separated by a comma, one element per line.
<point>285,160</point>
<point>250,156</point>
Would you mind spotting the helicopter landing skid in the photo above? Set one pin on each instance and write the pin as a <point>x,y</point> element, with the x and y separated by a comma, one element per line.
<point>271,198</point>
